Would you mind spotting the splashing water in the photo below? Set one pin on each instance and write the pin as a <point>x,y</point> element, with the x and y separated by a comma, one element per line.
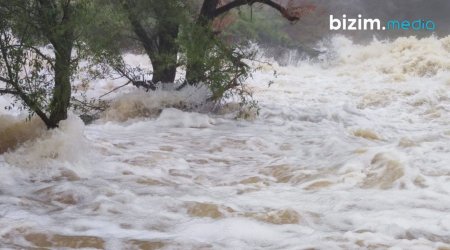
<point>348,153</point>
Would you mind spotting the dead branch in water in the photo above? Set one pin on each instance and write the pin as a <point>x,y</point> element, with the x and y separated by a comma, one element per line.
<point>116,88</point>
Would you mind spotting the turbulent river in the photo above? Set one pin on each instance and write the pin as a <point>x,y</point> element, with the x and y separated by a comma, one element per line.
<point>348,152</point>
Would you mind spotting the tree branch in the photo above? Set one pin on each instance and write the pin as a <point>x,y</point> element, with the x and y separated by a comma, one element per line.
<point>145,84</point>
<point>140,31</point>
<point>20,93</point>
<point>8,92</point>
<point>236,3</point>
<point>207,12</point>
<point>48,59</point>
<point>2,79</point>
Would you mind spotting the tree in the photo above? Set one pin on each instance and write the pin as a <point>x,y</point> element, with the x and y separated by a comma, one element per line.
<point>38,76</point>
<point>156,25</point>
<point>211,9</point>
<point>168,20</point>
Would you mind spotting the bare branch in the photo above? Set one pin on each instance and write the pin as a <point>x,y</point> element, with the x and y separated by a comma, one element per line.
<point>116,88</point>
<point>7,81</point>
<point>48,59</point>
<point>19,92</point>
<point>236,3</point>
<point>132,79</point>
<point>8,92</point>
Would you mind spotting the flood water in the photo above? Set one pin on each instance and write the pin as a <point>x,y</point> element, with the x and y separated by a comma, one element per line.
<point>349,152</point>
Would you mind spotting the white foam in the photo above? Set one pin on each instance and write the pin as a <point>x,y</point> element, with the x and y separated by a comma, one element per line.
<point>140,104</point>
<point>176,118</point>
<point>61,147</point>
<point>350,152</point>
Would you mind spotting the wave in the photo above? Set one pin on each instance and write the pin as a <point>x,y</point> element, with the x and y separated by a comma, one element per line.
<point>140,104</point>
<point>16,130</point>
<point>398,59</point>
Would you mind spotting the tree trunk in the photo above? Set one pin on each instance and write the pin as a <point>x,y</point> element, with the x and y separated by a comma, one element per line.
<point>164,58</point>
<point>60,33</point>
<point>160,47</point>
<point>62,90</point>
<point>162,72</point>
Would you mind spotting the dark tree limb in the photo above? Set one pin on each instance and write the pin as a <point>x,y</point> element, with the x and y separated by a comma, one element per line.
<point>139,30</point>
<point>8,91</point>
<point>208,11</point>
<point>13,81</point>
<point>7,81</point>
<point>147,85</point>
<point>236,3</point>
<point>114,89</point>
<point>47,59</point>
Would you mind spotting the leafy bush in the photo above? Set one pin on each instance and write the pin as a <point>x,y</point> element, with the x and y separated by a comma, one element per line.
<point>222,67</point>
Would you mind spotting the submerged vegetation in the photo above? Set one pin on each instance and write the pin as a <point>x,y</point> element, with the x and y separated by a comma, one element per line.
<point>46,44</point>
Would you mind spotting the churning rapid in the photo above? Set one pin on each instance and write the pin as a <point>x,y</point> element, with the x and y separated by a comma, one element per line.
<point>349,151</point>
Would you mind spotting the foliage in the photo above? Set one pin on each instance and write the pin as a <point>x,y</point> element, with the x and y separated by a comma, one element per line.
<point>42,44</point>
<point>222,67</point>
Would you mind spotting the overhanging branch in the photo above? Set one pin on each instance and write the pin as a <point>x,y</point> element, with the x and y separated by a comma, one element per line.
<point>2,79</point>
<point>48,59</point>
<point>236,3</point>
<point>8,92</point>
